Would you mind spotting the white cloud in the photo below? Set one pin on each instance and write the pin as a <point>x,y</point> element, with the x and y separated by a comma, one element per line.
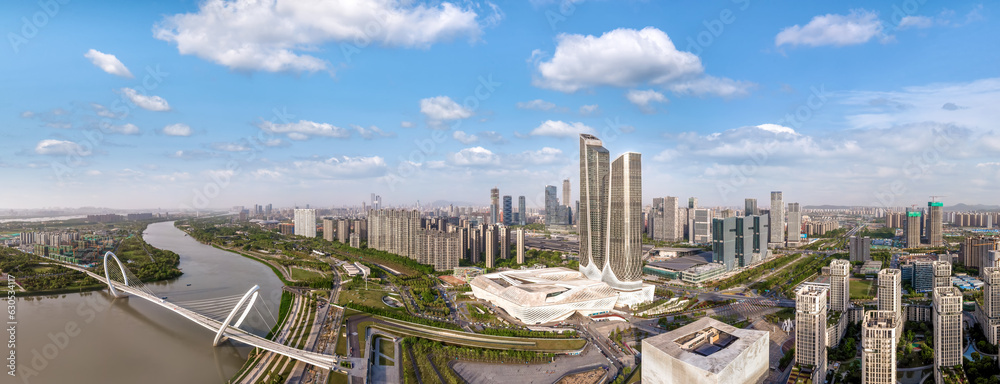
<point>150,103</point>
<point>559,128</point>
<point>475,156</point>
<point>93,172</point>
<point>626,58</point>
<point>372,132</point>
<point>858,27</point>
<point>269,35</point>
<point>179,129</point>
<point>343,167</point>
<point>124,129</point>
<point>108,63</point>
<point>643,99</point>
<point>537,105</point>
<point>464,138</point>
<point>304,129</point>
<point>775,128</point>
<point>406,124</point>
<point>588,109</point>
<point>230,147</point>
<point>915,22</point>
<point>59,125</point>
<point>27,114</point>
<point>60,147</point>
<point>129,173</point>
<point>442,109</point>
<point>173,177</point>
<point>493,137</point>
<point>544,156</point>
<point>103,111</point>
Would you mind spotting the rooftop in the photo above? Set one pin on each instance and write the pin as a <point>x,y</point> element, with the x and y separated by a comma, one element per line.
<point>708,344</point>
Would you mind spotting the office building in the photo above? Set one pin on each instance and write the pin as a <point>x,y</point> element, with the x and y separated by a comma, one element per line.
<point>879,335</point>
<point>750,207</point>
<point>706,351</point>
<point>911,230</point>
<point>810,330</point>
<point>522,213</point>
<point>328,229</point>
<point>692,203</point>
<point>947,321</point>
<point>860,248</point>
<point>611,224</point>
<point>520,246</point>
<point>663,219</point>
<point>935,209</point>
<point>777,219</point>
<point>739,242</point>
<point>840,290</point>
<point>566,193</point>
<point>494,205</point>
<point>551,205</point>
<point>305,222</point>
<point>508,211</point>
<point>701,226</point>
<point>794,224</point>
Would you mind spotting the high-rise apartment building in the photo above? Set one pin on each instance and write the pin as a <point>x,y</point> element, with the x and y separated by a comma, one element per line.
<point>991,304</point>
<point>522,213</point>
<point>692,203</point>
<point>947,321</point>
<point>810,330</point>
<point>305,222</point>
<point>890,289</point>
<point>794,224</point>
<point>328,229</point>
<point>343,231</point>
<point>520,246</point>
<point>976,249</point>
<point>611,220</point>
<point>750,207</point>
<point>860,248</point>
<point>508,210</point>
<point>912,229</point>
<point>739,242</point>
<point>777,219</point>
<point>494,205</point>
<point>935,210</point>
<point>840,290</point>
<point>879,335</point>
<point>402,232</point>
<point>504,241</point>
<point>492,240</point>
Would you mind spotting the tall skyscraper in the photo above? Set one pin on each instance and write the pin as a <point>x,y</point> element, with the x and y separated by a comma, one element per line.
<point>692,203</point>
<point>750,207</point>
<point>859,248</point>
<point>494,205</point>
<point>328,229</point>
<point>522,213</point>
<point>508,210</point>
<point>794,224</point>
<point>890,289</point>
<point>739,242</point>
<point>671,223</point>
<point>611,220</point>
<point>991,303</point>
<point>566,193</point>
<point>305,222</point>
<point>492,240</point>
<point>520,246</point>
<point>701,226</point>
<point>935,211</point>
<point>840,290</point>
<point>879,335</point>
<point>343,231</point>
<point>551,205</point>
<point>777,219</point>
<point>810,330</point>
<point>912,229</point>
<point>504,243</point>
<point>947,320</point>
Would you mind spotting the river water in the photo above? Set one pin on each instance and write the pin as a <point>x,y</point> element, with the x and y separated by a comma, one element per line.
<point>95,338</point>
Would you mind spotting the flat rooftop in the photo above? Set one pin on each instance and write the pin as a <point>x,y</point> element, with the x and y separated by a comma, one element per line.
<point>684,262</point>
<point>707,344</point>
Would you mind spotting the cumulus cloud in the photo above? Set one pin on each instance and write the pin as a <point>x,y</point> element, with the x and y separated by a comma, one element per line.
<point>628,58</point>
<point>537,105</point>
<point>343,167</point>
<point>304,129</point>
<point>230,147</point>
<point>108,63</point>
<point>464,138</point>
<point>915,22</point>
<point>179,129</point>
<point>441,109</point>
<point>123,129</point>
<point>372,132</point>
<point>149,103</point>
<point>858,27</point>
<point>588,109</point>
<point>644,98</point>
<point>493,137</point>
<point>475,156</point>
<point>230,33</point>
<point>558,128</point>
<point>60,148</point>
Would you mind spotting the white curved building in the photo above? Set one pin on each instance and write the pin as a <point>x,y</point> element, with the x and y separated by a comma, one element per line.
<point>544,295</point>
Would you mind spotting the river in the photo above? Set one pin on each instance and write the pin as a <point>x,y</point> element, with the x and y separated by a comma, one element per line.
<point>95,338</point>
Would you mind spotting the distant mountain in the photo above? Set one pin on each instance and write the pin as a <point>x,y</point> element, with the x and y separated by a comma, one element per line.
<point>970,207</point>
<point>446,203</point>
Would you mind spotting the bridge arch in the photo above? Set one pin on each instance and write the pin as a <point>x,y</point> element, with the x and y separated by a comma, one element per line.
<point>108,277</point>
<point>252,295</point>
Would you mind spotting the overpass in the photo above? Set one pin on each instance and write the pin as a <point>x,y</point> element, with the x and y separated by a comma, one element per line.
<point>221,329</point>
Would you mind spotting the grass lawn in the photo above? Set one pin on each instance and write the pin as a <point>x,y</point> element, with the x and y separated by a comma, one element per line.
<point>861,288</point>
<point>371,298</point>
<point>342,341</point>
<point>387,347</point>
<point>302,274</point>
<point>338,378</point>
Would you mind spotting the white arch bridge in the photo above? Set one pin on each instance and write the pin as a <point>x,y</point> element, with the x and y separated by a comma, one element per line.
<point>130,285</point>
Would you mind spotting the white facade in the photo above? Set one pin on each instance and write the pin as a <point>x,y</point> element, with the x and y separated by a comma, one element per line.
<point>676,357</point>
<point>544,295</point>
<point>305,222</point>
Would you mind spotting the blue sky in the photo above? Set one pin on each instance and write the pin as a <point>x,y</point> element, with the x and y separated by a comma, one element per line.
<point>198,104</point>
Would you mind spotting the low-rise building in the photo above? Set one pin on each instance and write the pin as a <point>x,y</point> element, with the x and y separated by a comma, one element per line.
<point>706,351</point>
